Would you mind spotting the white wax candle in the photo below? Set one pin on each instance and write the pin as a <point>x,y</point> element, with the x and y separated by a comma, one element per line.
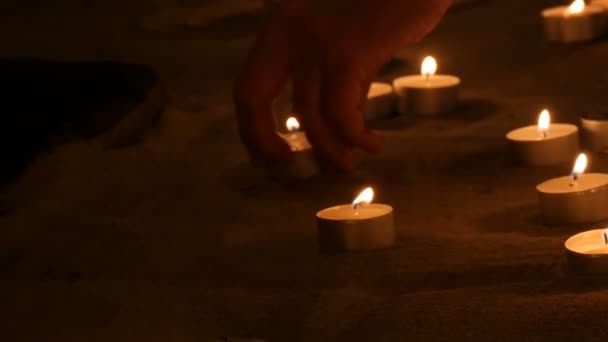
<point>598,250</point>
<point>422,82</point>
<point>575,23</point>
<point>380,101</point>
<point>427,93</point>
<point>552,144</point>
<point>589,242</point>
<point>566,185</point>
<point>565,201</point>
<point>348,213</point>
<point>595,132</point>
<point>600,3</point>
<point>360,227</point>
<point>531,133</point>
<point>303,164</point>
<point>297,141</point>
<point>587,252</point>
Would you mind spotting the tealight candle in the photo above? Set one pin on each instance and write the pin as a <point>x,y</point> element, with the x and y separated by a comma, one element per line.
<point>427,93</point>
<point>380,101</point>
<point>575,23</point>
<point>595,132</point>
<point>545,143</point>
<point>303,164</point>
<point>358,226</point>
<point>604,5</point>
<point>600,3</point>
<point>575,199</point>
<point>587,252</point>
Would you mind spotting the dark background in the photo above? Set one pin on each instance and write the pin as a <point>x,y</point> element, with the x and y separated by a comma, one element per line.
<point>173,237</point>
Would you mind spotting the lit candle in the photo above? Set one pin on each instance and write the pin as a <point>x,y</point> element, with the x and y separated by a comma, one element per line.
<point>545,143</point>
<point>380,101</point>
<point>577,22</point>
<point>575,199</point>
<point>427,93</point>
<point>595,132</point>
<point>295,138</point>
<point>359,226</point>
<point>601,3</point>
<point>304,164</point>
<point>587,252</point>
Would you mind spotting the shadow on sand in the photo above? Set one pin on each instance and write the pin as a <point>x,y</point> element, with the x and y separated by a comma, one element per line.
<point>46,103</point>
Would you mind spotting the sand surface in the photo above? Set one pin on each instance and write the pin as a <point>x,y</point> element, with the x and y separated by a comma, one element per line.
<point>176,239</point>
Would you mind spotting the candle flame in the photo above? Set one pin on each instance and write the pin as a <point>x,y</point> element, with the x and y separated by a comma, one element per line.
<point>580,165</point>
<point>544,121</point>
<point>429,67</point>
<point>292,124</point>
<point>576,7</point>
<point>365,197</point>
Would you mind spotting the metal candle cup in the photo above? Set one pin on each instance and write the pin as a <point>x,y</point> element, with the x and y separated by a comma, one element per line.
<point>587,253</point>
<point>361,226</point>
<point>427,93</point>
<point>544,144</point>
<point>594,132</point>
<point>575,23</point>
<point>380,101</point>
<point>304,163</point>
<point>577,199</point>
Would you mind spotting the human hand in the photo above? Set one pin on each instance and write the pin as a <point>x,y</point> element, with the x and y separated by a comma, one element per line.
<point>331,50</point>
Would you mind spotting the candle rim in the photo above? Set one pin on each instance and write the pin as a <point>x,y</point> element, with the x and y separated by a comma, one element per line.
<point>560,128</point>
<point>581,186</point>
<point>383,87</point>
<point>599,117</point>
<point>380,84</point>
<point>568,244</point>
<point>398,82</point>
<point>590,9</point>
<point>287,137</point>
<point>389,210</point>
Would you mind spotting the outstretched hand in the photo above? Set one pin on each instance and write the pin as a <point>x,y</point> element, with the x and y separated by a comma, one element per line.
<point>331,50</point>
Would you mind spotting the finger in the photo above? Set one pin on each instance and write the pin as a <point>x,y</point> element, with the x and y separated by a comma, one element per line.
<point>363,99</point>
<point>345,87</point>
<point>307,103</point>
<point>261,81</point>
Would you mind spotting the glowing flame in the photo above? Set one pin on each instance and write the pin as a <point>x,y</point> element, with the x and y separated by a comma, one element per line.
<point>429,67</point>
<point>365,197</point>
<point>544,121</point>
<point>292,124</point>
<point>576,7</point>
<point>580,165</point>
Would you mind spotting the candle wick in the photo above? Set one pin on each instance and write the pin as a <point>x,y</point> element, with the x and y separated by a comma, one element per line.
<point>574,178</point>
<point>358,205</point>
<point>543,134</point>
<point>605,238</point>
